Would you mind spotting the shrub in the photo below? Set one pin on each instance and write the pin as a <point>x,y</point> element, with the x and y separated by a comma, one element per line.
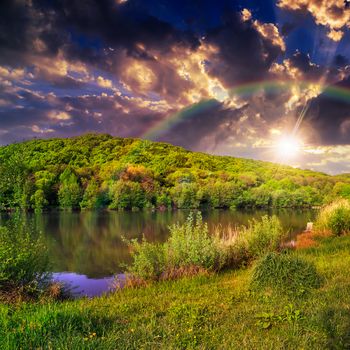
<point>148,259</point>
<point>39,200</point>
<point>189,248</point>
<point>285,273</point>
<point>334,217</point>
<point>260,237</point>
<point>191,244</point>
<point>92,198</point>
<point>185,195</point>
<point>163,201</point>
<point>24,262</point>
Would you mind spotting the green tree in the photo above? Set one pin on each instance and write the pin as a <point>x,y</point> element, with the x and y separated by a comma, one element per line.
<point>92,197</point>
<point>39,201</point>
<point>70,193</point>
<point>185,196</point>
<point>127,195</point>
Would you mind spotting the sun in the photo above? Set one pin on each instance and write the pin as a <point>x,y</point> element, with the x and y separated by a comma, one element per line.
<point>288,147</point>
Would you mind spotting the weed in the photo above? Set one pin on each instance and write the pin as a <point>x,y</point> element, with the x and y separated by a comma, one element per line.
<point>149,260</point>
<point>290,314</point>
<point>249,242</point>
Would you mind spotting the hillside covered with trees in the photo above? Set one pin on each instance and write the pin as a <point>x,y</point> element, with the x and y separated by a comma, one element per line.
<point>101,171</point>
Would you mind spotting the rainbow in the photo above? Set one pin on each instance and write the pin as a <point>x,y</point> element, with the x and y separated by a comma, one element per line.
<point>275,86</point>
<point>271,86</point>
<point>176,118</point>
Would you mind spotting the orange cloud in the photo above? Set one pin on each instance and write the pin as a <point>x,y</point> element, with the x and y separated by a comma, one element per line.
<point>270,31</point>
<point>330,13</point>
<point>59,115</point>
<point>12,74</point>
<point>105,83</point>
<point>335,35</point>
<point>246,15</point>
<point>35,128</point>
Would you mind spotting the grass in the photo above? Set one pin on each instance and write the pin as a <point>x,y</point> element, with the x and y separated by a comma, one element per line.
<point>334,218</point>
<point>285,273</point>
<point>203,312</point>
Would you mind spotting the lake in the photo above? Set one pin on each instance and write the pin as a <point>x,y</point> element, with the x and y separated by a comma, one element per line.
<point>87,248</point>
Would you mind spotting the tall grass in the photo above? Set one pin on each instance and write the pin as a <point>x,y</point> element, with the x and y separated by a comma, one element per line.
<point>260,237</point>
<point>334,218</point>
<point>245,243</point>
<point>191,248</point>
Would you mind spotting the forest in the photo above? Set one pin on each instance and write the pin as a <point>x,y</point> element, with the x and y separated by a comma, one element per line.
<point>97,171</point>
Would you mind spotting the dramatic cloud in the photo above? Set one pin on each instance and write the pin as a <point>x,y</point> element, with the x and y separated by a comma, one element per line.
<point>333,14</point>
<point>130,68</point>
<point>331,116</point>
<point>241,44</point>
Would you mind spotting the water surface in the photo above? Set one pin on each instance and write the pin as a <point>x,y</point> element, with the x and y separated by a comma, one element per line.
<point>87,248</point>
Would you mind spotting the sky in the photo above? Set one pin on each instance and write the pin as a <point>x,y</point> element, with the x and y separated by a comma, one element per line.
<point>266,80</point>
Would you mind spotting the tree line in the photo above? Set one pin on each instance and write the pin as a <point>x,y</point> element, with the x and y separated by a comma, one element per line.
<point>100,171</point>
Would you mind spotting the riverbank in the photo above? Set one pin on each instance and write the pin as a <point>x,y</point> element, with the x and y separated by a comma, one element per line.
<point>90,243</point>
<point>204,312</point>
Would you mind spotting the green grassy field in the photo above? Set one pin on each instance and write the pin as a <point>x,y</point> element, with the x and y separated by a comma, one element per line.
<point>205,312</point>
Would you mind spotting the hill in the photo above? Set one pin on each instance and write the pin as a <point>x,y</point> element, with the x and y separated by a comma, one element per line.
<point>101,171</point>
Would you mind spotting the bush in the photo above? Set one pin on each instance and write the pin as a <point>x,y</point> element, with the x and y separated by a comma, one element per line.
<point>189,248</point>
<point>70,192</point>
<point>285,273</point>
<point>148,260</point>
<point>260,237</point>
<point>334,218</point>
<point>191,244</point>
<point>24,262</point>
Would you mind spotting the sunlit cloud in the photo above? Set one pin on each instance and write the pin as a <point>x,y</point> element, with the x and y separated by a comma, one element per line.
<point>270,31</point>
<point>12,74</point>
<point>335,35</point>
<point>37,129</point>
<point>59,115</point>
<point>105,83</point>
<point>330,13</point>
<point>246,15</point>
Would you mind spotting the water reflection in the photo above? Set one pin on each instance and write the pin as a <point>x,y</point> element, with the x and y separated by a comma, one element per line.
<point>90,243</point>
<point>81,285</point>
